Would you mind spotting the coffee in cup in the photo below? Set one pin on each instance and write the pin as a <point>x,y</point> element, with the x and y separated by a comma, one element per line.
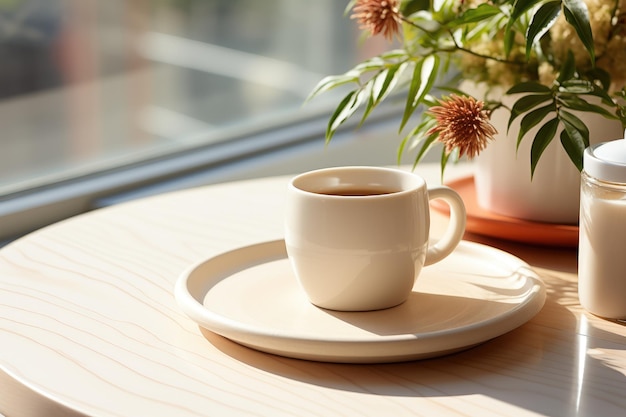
<point>358,237</point>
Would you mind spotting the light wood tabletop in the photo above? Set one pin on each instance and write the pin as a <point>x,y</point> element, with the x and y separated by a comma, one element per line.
<point>89,326</point>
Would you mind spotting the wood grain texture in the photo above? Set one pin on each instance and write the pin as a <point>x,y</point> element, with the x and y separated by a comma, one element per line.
<point>89,326</point>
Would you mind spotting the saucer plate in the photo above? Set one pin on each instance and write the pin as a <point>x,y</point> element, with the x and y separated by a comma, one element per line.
<point>251,296</point>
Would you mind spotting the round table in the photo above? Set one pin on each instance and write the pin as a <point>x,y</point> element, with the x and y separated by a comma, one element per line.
<point>89,326</point>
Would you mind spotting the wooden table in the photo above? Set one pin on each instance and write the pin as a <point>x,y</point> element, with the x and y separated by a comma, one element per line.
<point>89,326</point>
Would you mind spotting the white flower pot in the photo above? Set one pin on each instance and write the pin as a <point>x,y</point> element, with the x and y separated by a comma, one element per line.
<point>503,180</point>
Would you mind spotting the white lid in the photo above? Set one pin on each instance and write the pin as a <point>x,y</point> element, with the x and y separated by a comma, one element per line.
<point>606,161</point>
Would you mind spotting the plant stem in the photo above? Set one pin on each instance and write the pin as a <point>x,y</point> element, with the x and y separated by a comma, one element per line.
<point>492,58</point>
<point>457,47</point>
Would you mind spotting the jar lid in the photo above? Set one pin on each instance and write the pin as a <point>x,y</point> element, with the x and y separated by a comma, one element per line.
<point>606,161</point>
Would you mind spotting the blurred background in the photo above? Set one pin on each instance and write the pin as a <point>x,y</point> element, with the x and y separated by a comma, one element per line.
<point>138,92</point>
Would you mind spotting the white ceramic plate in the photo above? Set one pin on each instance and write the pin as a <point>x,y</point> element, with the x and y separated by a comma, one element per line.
<point>251,296</point>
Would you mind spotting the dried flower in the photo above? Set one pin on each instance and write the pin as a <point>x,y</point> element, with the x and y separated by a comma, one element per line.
<point>462,123</point>
<point>379,16</point>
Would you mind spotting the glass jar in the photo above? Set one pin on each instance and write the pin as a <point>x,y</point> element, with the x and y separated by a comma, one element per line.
<point>602,244</point>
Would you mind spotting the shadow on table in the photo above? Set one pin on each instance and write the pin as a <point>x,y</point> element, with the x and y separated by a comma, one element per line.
<point>549,365</point>
<point>555,258</point>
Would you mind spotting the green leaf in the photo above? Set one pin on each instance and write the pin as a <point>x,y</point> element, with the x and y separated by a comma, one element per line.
<point>576,128</point>
<point>411,6</point>
<point>381,84</point>
<point>347,100</point>
<point>600,75</point>
<point>568,69</point>
<point>426,145</point>
<point>528,87</point>
<point>576,86</point>
<point>401,149</point>
<point>346,11</point>
<point>526,103</point>
<point>394,54</point>
<point>386,81</point>
<point>346,108</point>
<point>333,81</point>
<point>445,158</point>
<point>532,119</point>
<point>480,13</point>
<point>368,109</point>
<point>580,104</point>
<point>420,130</point>
<point>541,23</point>
<point>509,40</point>
<point>573,148</point>
<point>377,63</point>
<point>577,15</point>
<point>420,135</point>
<point>430,70</point>
<point>540,143</point>
<point>414,86</point>
<point>602,94</point>
<point>424,77</point>
<point>444,161</point>
<point>519,8</point>
<point>373,64</point>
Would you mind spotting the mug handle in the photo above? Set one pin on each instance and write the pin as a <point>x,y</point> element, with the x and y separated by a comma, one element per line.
<point>456,227</point>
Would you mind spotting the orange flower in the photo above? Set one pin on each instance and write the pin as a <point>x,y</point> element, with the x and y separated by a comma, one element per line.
<point>462,123</point>
<point>379,16</point>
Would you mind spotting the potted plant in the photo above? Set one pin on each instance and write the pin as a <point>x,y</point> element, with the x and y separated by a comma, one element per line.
<point>547,63</point>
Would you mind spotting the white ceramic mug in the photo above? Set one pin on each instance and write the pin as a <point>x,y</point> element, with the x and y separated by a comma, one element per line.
<point>358,237</point>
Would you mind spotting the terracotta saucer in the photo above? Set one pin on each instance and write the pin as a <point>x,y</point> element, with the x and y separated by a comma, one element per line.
<point>486,223</point>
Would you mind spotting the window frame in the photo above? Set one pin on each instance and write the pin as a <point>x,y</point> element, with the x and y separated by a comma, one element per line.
<point>25,211</point>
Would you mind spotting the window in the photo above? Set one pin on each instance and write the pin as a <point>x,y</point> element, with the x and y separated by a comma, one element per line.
<point>104,96</point>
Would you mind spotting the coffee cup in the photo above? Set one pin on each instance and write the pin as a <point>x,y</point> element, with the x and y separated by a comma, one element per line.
<point>358,237</point>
